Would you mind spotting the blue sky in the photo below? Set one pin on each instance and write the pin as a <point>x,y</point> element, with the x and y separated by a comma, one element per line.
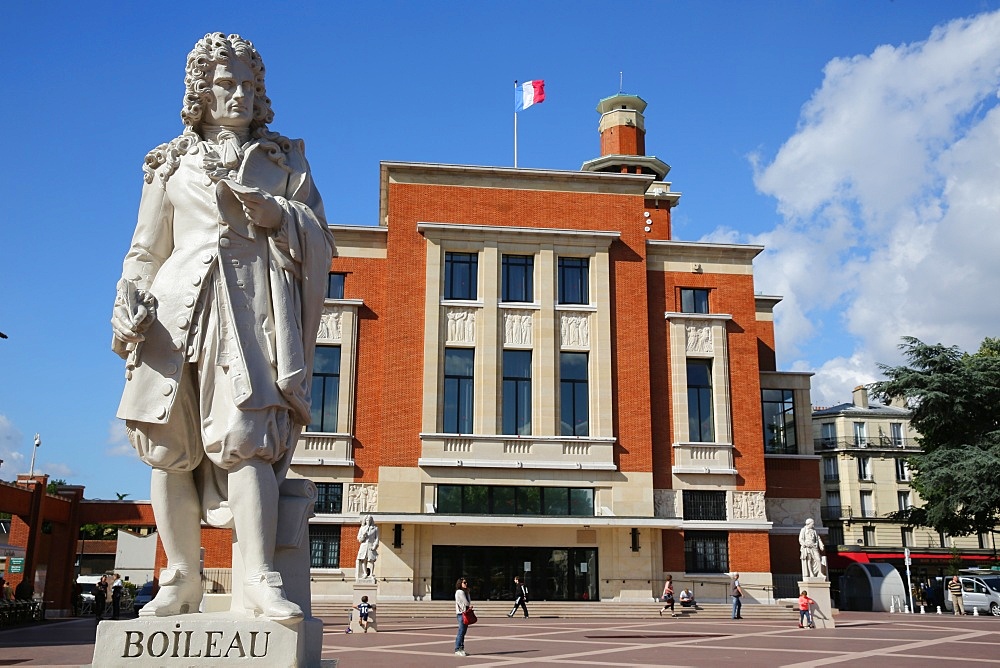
<point>858,141</point>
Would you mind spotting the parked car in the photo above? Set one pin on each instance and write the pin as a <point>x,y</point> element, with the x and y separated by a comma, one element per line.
<point>143,596</point>
<point>978,591</point>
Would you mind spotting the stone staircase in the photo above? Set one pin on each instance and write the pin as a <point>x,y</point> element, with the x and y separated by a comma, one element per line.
<point>490,610</point>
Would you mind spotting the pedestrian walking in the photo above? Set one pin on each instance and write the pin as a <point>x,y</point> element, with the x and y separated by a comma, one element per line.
<point>520,597</point>
<point>668,597</point>
<point>737,597</point>
<point>955,588</point>
<point>805,615</point>
<point>462,604</point>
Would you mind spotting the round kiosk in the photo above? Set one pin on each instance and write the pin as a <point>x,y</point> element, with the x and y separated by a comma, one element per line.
<point>871,588</point>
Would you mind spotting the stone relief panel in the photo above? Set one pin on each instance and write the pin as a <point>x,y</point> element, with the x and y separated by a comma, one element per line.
<point>517,328</point>
<point>575,330</point>
<point>792,512</point>
<point>361,498</point>
<point>665,503</point>
<point>461,324</point>
<point>331,325</point>
<point>699,337</point>
<point>749,506</point>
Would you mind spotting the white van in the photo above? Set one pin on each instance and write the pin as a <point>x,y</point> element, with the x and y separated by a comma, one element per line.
<point>980,591</point>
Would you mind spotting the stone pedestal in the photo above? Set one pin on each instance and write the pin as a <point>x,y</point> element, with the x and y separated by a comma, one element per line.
<point>369,589</point>
<point>212,639</point>
<point>819,591</point>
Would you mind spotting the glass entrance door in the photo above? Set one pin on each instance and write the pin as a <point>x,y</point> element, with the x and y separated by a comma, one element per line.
<point>551,573</point>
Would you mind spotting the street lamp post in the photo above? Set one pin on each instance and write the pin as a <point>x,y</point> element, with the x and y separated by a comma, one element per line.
<point>38,442</point>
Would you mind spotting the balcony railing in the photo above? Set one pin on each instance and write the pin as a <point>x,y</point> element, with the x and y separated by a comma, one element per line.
<point>497,451</point>
<point>834,512</point>
<point>713,458</point>
<point>831,477</point>
<point>867,442</point>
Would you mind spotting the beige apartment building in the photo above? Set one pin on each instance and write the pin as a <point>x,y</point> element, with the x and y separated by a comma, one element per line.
<point>865,477</point>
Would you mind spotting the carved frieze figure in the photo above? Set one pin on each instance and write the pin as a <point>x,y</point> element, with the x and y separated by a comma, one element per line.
<point>367,550</point>
<point>810,547</point>
<point>216,315</point>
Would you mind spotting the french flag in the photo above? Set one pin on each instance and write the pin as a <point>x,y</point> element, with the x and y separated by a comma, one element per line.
<point>528,93</point>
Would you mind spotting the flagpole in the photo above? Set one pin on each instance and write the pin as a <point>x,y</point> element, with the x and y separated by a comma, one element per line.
<point>515,129</point>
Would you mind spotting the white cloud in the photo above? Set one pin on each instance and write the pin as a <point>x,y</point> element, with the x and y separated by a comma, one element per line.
<point>118,442</point>
<point>890,206</point>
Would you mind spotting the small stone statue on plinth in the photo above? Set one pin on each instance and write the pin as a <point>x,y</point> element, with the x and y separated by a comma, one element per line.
<point>367,551</point>
<point>810,549</point>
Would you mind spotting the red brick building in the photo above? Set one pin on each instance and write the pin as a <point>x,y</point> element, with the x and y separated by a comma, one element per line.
<point>520,371</point>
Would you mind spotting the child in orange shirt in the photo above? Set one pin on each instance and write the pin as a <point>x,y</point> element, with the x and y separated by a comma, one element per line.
<point>804,614</point>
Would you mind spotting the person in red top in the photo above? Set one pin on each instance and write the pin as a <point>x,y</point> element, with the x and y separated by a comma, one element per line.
<point>804,614</point>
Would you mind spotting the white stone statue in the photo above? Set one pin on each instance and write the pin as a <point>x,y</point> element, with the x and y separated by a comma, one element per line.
<point>810,547</point>
<point>217,314</point>
<point>367,551</point>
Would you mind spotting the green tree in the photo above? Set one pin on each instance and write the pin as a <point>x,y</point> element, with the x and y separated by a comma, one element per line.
<point>955,403</point>
<point>54,485</point>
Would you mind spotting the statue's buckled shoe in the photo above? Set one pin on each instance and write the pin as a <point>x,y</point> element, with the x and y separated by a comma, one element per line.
<point>263,594</point>
<point>179,594</point>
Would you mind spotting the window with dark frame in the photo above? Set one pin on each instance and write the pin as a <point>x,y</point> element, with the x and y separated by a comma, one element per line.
<point>869,536</point>
<point>325,390</point>
<point>458,390</point>
<point>835,535</point>
<point>574,280</point>
<point>906,534</point>
<point>324,545</point>
<point>574,394</point>
<point>701,423</point>
<point>335,285</point>
<point>517,278</point>
<point>694,300</point>
<point>516,392</point>
<point>704,505</point>
<point>329,497</point>
<point>706,552</point>
<point>779,422</point>
<point>461,272</point>
<point>515,500</point>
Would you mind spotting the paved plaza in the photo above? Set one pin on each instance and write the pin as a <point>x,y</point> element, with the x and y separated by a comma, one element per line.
<point>867,639</point>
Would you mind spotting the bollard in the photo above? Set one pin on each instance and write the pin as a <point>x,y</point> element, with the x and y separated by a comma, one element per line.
<point>939,609</point>
<point>975,612</point>
<point>906,609</point>
<point>923,610</point>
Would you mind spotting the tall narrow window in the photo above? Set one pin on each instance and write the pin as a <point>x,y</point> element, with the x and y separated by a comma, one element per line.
<point>461,272</point>
<point>828,435</point>
<point>903,499</point>
<point>335,285</point>
<point>869,536</point>
<point>779,422</point>
<point>701,424</point>
<point>325,389</point>
<point>864,468</point>
<point>902,470</point>
<point>574,280</point>
<point>860,434</point>
<point>896,434</point>
<point>517,278</point>
<point>458,390</point>
<point>574,394</point>
<point>694,300</point>
<point>831,470</point>
<point>517,392</point>
<point>867,504</point>
<point>833,504</point>
<point>907,536</point>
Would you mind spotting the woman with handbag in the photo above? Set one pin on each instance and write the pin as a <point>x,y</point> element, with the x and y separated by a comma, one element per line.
<point>668,597</point>
<point>463,614</point>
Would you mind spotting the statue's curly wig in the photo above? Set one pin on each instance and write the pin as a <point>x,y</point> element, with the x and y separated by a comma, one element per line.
<point>211,50</point>
<point>214,49</point>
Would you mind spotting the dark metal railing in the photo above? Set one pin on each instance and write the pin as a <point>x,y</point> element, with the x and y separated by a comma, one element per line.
<point>866,442</point>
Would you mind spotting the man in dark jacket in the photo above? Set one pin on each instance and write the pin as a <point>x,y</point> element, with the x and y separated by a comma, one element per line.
<point>520,597</point>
